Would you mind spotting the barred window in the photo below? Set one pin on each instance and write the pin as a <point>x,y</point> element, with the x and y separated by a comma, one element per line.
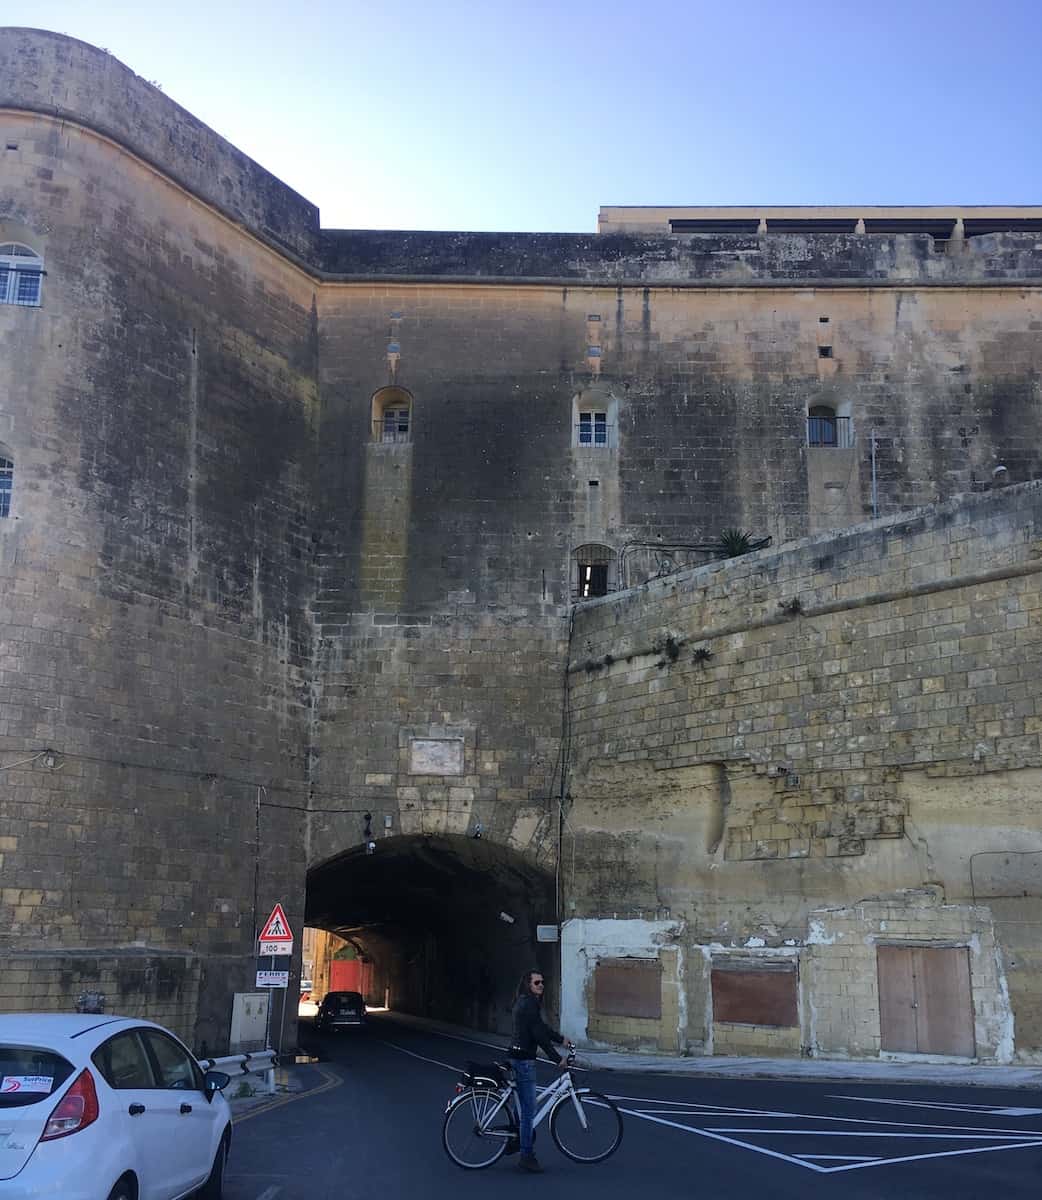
<point>6,486</point>
<point>594,567</point>
<point>21,275</point>
<point>392,416</point>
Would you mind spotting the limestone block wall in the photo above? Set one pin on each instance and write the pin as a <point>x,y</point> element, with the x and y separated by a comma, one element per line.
<point>845,718</point>
<point>841,980</point>
<point>147,984</point>
<point>68,80</point>
<point>484,686</point>
<point>159,408</point>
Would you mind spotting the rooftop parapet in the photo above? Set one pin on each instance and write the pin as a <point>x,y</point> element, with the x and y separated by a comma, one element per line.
<point>700,260</point>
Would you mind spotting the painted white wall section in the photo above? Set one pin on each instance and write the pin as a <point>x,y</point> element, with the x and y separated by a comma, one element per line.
<point>585,942</point>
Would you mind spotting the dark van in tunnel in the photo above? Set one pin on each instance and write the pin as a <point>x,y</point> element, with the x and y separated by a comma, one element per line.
<point>340,1010</point>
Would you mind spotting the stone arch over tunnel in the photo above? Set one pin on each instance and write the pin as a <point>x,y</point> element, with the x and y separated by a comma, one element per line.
<point>428,911</point>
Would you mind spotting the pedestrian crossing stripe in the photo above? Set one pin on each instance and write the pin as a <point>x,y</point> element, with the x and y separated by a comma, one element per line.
<point>276,928</point>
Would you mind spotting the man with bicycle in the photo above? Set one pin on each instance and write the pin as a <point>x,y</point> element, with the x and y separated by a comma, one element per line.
<point>530,1032</point>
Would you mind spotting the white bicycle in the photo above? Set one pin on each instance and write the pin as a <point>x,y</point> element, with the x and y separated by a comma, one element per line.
<point>482,1119</point>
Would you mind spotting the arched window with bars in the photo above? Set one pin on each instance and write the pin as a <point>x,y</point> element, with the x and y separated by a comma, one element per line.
<point>21,275</point>
<point>392,416</point>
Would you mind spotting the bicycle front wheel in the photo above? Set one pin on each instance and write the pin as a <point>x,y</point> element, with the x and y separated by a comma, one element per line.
<point>474,1133</point>
<point>586,1126</point>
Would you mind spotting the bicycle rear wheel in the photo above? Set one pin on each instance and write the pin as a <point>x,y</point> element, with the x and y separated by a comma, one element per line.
<point>474,1133</point>
<point>586,1126</point>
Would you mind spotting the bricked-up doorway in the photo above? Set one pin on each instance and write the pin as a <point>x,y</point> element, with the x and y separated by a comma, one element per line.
<point>925,1001</point>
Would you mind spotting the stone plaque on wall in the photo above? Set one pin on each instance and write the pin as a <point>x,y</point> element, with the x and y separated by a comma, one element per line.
<point>436,756</point>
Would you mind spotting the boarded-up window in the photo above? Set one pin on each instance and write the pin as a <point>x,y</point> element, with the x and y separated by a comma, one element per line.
<point>755,992</point>
<point>628,987</point>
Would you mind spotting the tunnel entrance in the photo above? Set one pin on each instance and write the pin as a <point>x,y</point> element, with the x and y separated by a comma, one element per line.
<point>445,924</point>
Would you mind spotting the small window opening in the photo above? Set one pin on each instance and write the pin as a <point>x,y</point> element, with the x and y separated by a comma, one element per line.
<point>6,486</point>
<point>392,416</point>
<point>593,428</point>
<point>396,425</point>
<point>593,571</point>
<point>823,320</point>
<point>595,483</point>
<point>12,145</point>
<point>822,426</point>
<point>593,580</point>
<point>824,352</point>
<point>21,275</point>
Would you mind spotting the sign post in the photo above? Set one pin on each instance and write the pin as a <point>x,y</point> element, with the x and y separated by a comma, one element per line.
<point>275,942</point>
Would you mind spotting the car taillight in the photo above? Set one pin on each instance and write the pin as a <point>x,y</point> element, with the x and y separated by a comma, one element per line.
<point>77,1109</point>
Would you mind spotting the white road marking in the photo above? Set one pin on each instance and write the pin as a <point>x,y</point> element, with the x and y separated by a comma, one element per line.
<point>412,1054</point>
<point>455,1037</point>
<point>882,1133</point>
<point>992,1109</point>
<point>1006,1139</point>
<point>844,1162</point>
<point>720,1138</point>
<point>843,1157</point>
<point>712,1110</point>
<point>886,1162</point>
<point>269,1193</point>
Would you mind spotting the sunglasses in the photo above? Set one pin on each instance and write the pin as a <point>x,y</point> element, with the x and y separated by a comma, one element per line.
<point>537,983</point>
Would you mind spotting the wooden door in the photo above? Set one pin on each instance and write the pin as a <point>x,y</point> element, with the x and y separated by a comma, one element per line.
<point>925,1002</point>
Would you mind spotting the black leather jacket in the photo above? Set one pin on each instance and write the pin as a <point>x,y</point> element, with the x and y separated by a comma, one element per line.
<point>531,1031</point>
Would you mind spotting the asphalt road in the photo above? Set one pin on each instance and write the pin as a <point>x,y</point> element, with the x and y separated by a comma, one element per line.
<point>370,1126</point>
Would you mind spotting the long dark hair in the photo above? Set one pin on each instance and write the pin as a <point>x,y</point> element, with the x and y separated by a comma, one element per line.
<point>524,985</point>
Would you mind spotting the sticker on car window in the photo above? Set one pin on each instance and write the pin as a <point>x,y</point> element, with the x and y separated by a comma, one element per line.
<point>26,1083</point>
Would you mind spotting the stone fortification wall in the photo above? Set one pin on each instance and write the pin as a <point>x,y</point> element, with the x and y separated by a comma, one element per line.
<point>853,716</point>
<point>67,80</point>
<point>698,260</point>
<point>199,485</point>
<point>159,410</point>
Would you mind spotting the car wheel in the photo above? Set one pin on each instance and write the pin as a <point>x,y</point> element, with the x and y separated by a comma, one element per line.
<point>213,1188</point>
<point>123,1190</point>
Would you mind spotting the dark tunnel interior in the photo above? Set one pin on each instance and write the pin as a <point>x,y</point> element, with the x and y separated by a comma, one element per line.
<point>448,924</point>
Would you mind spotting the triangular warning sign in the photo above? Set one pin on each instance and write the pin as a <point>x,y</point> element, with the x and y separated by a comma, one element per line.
<point>277,927</point>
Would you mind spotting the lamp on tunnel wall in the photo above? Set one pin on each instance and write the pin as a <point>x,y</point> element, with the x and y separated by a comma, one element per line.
<point>506,918</point>
<point>367,834</point>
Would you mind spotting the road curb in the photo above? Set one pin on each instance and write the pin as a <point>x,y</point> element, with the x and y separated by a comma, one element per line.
<point>788,1070</point>
<point>331,1079</point>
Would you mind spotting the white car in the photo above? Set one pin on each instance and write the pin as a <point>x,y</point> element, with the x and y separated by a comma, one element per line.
<point>106,1108</point>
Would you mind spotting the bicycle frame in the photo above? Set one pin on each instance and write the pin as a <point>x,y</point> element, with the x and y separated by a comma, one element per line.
<point>546,1098</point>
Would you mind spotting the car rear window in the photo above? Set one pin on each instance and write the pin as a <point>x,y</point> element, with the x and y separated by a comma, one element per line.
<point>29,1074</point>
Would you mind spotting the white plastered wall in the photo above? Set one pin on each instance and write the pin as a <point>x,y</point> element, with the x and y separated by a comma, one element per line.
<point>585,942</point>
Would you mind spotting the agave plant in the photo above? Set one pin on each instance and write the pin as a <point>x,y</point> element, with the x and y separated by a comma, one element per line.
<point>734,542</point>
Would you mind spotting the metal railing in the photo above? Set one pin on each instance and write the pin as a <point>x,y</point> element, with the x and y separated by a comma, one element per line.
<point>837,432</point>
<point>390,436</point>
<point>258,1062</point>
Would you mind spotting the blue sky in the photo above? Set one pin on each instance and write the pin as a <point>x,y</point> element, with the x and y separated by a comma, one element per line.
<point>529,115</point>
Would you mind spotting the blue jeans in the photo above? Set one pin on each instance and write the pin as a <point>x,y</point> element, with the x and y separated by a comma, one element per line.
<point>524,1077</point>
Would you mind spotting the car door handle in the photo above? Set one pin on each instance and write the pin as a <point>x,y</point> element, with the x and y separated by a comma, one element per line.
<point>186,1108</point>
<point>136,1110</point>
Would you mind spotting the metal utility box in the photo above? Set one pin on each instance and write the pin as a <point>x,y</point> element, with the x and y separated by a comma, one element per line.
<point>249,1022</point>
